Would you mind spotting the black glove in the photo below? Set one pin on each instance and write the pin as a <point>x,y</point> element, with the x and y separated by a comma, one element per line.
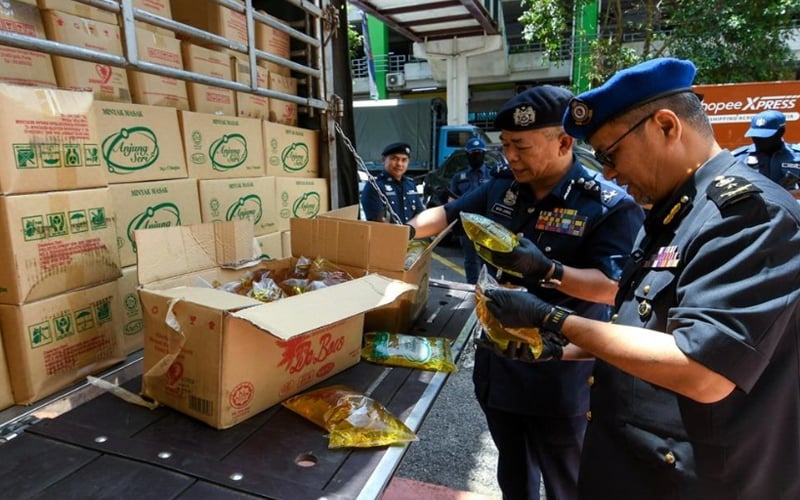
<point>412,231</point>
<point>526,259</point>
<point>516,309</point>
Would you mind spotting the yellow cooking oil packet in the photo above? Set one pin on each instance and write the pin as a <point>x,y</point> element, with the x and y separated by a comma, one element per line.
<point>352,419</point>
<point>398,349</point>
<point>488,236</point>
<point>494,330</point>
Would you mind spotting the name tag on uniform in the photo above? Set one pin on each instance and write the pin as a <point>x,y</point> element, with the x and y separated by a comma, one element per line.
<point>562,221</point>
<point>666,257</point>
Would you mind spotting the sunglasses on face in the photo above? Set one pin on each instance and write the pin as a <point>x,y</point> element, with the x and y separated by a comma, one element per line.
<point>604,155</point>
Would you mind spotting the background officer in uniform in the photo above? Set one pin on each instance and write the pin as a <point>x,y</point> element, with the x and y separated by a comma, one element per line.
<point>578,231</point>
<point>399,190</point>
<point>695,392</point>
<point>464,181</point>
<point>769,153</point>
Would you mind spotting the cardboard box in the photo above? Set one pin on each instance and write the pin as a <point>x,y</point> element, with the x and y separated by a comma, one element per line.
<point>221,147</point>
<point>145,205</point>
<point>271,246</point>
<point>373,247</point>
<point>158,7</point>
<point>211,17</point>
<point>291,151</point>
<point>130,318</point>
<point>48,140</point>
<point>108,83</point>
<point>205,98</point>
<point>251,198</point>
<point>153,89</point>
<point>234,356</point>
<point>273,41</point>
<point>19,66</point>
<point>79,9</point>
<point>286,243</point>
<point>139,143</point>
<point>52,343</point>
<point>300,197</point>
<point>250,105</point>
<point>54,242</point>
<point>283,111</point>
<point>6,394</point>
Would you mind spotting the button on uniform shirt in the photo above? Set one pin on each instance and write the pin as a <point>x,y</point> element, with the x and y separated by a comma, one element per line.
<point>402,196</point>
<point>585,222</point>
<point>699,274</point>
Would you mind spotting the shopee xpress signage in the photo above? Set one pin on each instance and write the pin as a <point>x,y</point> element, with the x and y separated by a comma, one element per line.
<point>730,107</point>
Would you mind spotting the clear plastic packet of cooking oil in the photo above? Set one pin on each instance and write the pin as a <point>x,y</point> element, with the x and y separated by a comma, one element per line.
<point>352,419</point>
<point>414,251</point>
<point>494,330</point>
<point>488,236</point>
<point>398,349</point>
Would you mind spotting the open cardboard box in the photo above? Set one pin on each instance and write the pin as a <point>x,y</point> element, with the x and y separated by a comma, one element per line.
<point>222,357</point>
<point>371,247</point>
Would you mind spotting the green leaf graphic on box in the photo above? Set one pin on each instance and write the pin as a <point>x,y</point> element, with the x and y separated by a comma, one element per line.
<point>165,214</point>
<point>228,152</point>
<point>295,157</point>
<point>307,206</point>
<point>246,207</point>
<point>131,150</point>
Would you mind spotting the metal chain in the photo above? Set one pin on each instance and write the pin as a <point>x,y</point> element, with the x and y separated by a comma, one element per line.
<point>370,178</point>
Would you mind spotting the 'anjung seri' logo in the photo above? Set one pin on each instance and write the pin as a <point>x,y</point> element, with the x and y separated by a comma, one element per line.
<point>307,206</point>
<point>228,152</point>
<point>246,207</point>
<point>165,214</point>
<point>295,157</point>
<point>130,150</point>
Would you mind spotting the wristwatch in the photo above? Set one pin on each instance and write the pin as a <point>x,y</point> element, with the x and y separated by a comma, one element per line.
<point>554,279</point>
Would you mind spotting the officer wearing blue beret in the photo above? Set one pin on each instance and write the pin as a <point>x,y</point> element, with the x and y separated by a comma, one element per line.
<point>464,181</point>
<point>578,230</point>
<point>769,154</point>
<point>396,193</point>
<point>695,392</point>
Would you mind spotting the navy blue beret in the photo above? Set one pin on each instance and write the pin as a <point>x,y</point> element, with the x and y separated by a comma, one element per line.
<point>627,89</point>
<point>397,148</point>
<point>537,107</point>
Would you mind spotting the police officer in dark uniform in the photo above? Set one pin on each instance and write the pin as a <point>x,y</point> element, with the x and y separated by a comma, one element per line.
<point>399,191</point>
<point>695,393</point>
<point>769,154</point>
<point>464,181</point>
<point>581,228</point>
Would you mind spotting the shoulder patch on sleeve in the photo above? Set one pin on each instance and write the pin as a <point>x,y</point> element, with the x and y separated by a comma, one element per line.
<point>727,190</point>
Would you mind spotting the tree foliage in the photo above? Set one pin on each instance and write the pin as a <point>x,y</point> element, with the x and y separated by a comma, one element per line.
<point>728,40</point>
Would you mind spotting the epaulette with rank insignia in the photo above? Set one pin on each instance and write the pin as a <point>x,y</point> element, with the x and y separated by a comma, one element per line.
<point>605,192</point>
<point>726,190</point>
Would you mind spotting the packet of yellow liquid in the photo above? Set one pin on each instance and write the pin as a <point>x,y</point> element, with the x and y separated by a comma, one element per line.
<point>487,236</point>
<point>397,349</point>
<point>414,251</point>
<point>352,419</point>
<point>497,333</point>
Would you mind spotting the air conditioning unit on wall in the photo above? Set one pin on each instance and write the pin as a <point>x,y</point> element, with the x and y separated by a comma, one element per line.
<point>395,80</point>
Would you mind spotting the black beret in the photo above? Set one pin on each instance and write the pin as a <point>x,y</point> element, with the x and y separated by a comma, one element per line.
<point>537,107</point>
<point>397,148</point>
<point>626,90</point>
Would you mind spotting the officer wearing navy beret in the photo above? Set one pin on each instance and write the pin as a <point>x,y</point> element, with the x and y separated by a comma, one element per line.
<point>578,230</point>
<point>398,190</point>
<point>769,153</point>
<point>465,180</point>
<point>695,392</point>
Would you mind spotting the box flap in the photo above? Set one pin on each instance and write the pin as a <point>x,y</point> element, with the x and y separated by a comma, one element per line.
<point>292,316</point>
<point>218,299</point>
<point>348,213</point>
<point>172,251</point>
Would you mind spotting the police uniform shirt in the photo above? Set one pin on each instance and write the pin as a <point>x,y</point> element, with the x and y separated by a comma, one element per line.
<point>782,166</point>
<point>467,179</point>
<point>584,222</point>
<point>402,196</point>
<point>701,273</point>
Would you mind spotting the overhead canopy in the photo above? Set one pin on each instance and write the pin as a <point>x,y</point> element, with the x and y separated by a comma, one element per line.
<point>428,20</point>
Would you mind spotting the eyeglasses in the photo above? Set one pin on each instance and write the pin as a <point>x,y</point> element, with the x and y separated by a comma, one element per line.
<point>604,155</point>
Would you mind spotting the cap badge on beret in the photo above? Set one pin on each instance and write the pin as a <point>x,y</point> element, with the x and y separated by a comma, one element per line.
<point>524,116</point>
<point>580,111</point>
